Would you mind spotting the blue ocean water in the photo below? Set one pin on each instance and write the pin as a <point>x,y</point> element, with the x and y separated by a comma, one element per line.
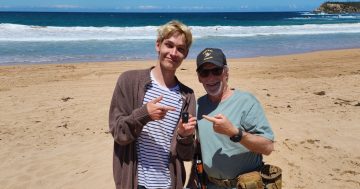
<point>36,37</point>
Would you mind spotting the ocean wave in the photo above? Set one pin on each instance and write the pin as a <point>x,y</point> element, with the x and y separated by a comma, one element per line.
<point>23,33</point>
<point>16,32</point>
<point>326,17</point>
<point>314,13</point>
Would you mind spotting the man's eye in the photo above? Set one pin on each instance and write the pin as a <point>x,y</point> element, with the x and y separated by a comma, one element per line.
<point>182,50</point>
<point>169,45</point>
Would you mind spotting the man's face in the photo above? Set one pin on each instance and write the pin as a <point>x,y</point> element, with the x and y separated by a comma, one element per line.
<point>213,79</point>
<point>172,51</point>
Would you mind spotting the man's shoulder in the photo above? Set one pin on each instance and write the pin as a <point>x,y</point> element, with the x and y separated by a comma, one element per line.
<point>244,95</point>
<point>134,75</point>
<point>247,99</point>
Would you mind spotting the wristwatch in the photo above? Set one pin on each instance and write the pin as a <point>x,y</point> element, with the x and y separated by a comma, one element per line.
<point>237,137</point>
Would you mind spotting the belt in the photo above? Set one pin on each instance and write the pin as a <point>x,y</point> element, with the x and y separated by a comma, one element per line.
<point>227,183</point>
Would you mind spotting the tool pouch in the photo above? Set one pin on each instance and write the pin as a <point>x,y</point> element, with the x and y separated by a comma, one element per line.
<point>271,176</point>
<point>251,180</point>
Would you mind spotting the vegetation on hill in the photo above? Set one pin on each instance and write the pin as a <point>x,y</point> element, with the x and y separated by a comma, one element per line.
<point>334,7</point>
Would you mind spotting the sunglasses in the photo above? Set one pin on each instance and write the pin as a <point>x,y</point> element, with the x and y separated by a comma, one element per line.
<point>206,72</point>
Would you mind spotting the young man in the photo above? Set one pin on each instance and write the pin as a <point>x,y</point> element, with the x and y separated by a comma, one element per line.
<point>233,129</point>
<point>150,140</point>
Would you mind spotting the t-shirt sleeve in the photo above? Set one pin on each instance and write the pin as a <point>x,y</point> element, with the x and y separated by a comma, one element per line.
<point>255,121</point>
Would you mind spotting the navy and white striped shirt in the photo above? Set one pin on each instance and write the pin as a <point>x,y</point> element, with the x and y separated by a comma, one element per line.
<point>155,139</point>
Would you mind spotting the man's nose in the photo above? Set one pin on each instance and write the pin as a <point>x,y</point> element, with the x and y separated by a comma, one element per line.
<point>174,51</point>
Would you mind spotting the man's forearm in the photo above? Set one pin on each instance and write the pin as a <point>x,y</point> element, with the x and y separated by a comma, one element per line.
<point>257,144</point>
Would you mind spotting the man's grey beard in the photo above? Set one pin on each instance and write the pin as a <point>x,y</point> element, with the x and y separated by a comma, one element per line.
<point>216,93</point>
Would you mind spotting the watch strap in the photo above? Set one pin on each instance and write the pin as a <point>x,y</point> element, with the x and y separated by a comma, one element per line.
<point>237,137</point>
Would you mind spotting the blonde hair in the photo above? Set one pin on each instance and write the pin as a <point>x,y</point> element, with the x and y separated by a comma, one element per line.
<point>167,30</point>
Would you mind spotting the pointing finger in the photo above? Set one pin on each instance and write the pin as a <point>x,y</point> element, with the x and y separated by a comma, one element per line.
<point>212,119</point>
<point>218,116</point>
<point>157,99</point>
<point>168,108</point>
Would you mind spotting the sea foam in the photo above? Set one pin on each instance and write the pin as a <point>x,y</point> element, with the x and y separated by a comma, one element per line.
<point>23,33</point>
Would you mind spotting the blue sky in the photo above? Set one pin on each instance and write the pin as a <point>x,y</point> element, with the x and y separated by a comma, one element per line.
<point>159,5</point>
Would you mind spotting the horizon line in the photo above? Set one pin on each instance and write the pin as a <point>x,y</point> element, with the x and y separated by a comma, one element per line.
<point>79,11</point>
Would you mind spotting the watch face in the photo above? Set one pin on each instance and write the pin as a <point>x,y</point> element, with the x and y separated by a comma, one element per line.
<point>235,138</point>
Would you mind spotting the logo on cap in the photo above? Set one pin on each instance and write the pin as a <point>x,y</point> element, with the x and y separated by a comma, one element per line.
<point>207,54</point>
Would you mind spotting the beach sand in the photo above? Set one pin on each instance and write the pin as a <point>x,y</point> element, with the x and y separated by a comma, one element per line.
<point>54,118</point>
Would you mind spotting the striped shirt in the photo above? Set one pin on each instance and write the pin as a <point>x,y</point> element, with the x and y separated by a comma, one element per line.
<point>155,139</point>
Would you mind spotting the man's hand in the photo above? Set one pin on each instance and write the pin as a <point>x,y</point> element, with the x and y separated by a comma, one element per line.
<point>157,111</point>
<point>254,143</point>
<point>187,129</point>
<point>222,125</point>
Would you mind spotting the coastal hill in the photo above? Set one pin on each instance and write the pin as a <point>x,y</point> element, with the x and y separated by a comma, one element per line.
<point>339,7</point>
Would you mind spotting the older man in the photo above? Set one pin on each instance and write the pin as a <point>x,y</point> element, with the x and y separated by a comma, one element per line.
<point>233,130</point>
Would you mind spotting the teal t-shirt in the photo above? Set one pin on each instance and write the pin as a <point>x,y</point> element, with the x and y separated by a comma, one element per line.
<point>222,158</point>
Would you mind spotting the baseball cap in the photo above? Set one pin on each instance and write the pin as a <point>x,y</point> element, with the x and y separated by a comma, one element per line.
<point>211,55</point>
